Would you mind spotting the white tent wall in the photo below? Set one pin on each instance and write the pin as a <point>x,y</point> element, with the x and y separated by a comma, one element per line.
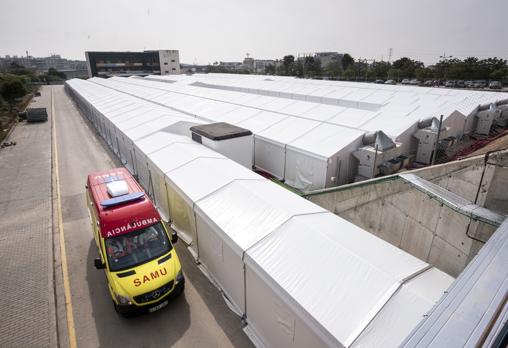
<point>183,220</point>
<point>222,264</point>
<point>269,156</point>
<point>272,322</point>
<point>324,166</point>
<point>305,172</point>
<point>342,166</point>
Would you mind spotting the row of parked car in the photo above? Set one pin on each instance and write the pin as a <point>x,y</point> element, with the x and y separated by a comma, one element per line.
<point>449,83</point>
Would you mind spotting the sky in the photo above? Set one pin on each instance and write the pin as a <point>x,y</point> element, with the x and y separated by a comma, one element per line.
<point>227,30</point>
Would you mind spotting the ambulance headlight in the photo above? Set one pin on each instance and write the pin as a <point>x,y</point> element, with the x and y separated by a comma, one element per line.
<point>179,276</point>
<point>122,299</point>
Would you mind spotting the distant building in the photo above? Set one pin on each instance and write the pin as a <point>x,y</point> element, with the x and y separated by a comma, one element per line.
<point>248,63</point>
<point>328,57</point>
<point>231,65</point>
<point>106,64</point>
<point>43,64</point>
<point>261,64</point>
<point>193,68</point>
<point>257,65</point>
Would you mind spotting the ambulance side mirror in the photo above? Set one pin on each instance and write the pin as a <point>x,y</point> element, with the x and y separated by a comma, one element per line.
<point>174,238</point>
<point>98,263</point>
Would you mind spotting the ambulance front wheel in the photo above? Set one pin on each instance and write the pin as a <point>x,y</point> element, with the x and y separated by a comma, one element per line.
<point>121,313</point>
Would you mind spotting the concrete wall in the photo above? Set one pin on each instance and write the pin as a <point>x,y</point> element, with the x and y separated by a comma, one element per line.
<point>395,211</point>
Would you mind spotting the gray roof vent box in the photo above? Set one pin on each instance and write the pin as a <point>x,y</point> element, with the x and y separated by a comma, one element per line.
<point>435,125</point>
<point>231,141</point>
<point>383,141</point>
<point>220,131</point>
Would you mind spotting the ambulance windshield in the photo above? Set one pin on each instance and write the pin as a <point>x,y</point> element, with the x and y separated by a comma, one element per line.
<point>135,248</point>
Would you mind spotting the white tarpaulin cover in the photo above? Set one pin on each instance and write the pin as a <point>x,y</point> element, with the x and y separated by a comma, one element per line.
<point>303,277</point>
<point>279,110</point>
<point>338,278</point>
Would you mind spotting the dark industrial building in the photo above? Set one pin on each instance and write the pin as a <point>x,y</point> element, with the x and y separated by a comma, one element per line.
<point>107,64</point>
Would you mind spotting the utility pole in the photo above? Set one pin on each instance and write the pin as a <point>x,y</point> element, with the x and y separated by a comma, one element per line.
<point>444,56</point>
<point>434,153</point>
<point>390,51</point>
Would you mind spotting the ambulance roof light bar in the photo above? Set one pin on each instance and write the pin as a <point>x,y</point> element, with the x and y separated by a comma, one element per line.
<point>122,199</point>
<point>117,188</point>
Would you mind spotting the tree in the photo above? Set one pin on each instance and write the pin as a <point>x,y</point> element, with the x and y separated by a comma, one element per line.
<point>347,61</point>
<point>288,64</point>
<point>423,73</point>
<point>349,73</point>
<point>11,90</point>
<point>361,68</point>
<point>270,69</point>
<point>333,69</point>
<point>407,66</point>
<point>311,67</point>
<point>379,70</point>
<point>499,74</point>
<point>394,74</point>
<point>298,68</point>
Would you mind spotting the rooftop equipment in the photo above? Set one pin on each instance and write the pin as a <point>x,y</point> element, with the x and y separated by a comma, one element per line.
<point>427,136</point>
<point>117,188</point>
<point>485,118</point>
<point>377,152</point>
<point>231,141</point>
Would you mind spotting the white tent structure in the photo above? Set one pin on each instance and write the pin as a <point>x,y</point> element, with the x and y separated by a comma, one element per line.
<point>299,275</point>
<point>280,111</point>
<point>277,124</point>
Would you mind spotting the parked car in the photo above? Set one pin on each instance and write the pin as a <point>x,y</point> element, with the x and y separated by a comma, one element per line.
<point>390,82</point>
<point>460,84</point>
<point>469,84</point>
<point>380,81</point>
<point>405,82</point>
<point>495,85</point>
<point>450,83</point>
<point>482,83</point>
<point>415,82</point>
<point>428,83</point>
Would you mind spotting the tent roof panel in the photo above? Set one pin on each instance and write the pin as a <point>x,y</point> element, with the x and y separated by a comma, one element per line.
<point>372,269</point>
<point>288,129</point>
<point>248,210</point>
<point>326,140</point>
<point>159,140</point>
<point>219,172</point>
<point>178,154</point>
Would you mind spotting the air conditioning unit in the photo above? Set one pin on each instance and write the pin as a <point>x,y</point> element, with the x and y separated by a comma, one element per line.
<point>485,118</point>
<point>378,149</point>
<point>427,138</point>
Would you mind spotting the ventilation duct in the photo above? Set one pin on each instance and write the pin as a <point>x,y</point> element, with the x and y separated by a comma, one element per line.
<point>378,139</point>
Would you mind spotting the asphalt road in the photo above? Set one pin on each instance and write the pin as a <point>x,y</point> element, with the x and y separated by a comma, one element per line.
<point>199,318</point>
